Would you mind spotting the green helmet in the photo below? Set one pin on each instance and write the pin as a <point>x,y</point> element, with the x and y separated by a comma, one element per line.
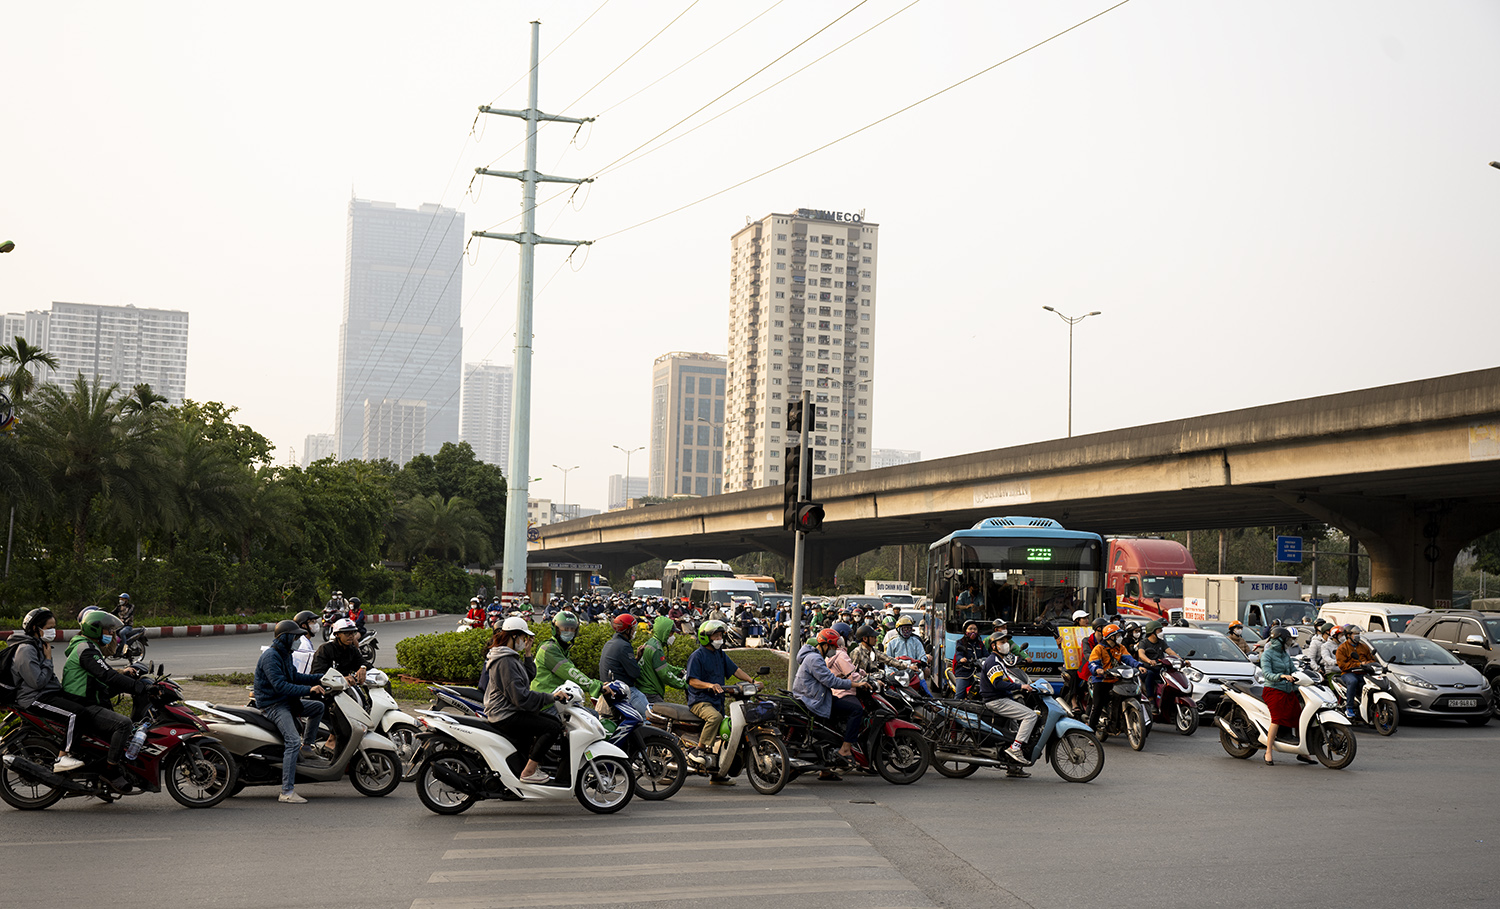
<point>889,621</point>
<point>1153,627</point>
<point>708,629</point>
<point>565,619</point>
<point>98,623</point>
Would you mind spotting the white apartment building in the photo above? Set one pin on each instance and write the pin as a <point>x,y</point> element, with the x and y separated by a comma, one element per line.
<point>122,345</point>
<point>484,420</point>
<point>317,446</point>
<point>620,492</point>
<point>890,457</point>
<point>394,430</point>
<point>801,315</point>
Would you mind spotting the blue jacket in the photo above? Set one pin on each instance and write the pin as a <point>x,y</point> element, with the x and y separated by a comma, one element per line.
<point>1275,662</point>
<point>815,681</point>
<point>276,681</point>
<point>911,648</point>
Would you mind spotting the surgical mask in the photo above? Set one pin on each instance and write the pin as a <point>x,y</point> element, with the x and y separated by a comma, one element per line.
<point>905,631</point>
<point>106,639</point>
<point>671,639</point>
<point>718,644</point>
<point>1004,648</point>
<point>50,634</point>
<point>312,627</point>
<point>567,636</point>
<point>972,634</point>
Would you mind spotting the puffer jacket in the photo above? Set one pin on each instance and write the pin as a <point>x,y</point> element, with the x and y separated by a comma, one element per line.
<point>35,675</point>
<point>815,682</point>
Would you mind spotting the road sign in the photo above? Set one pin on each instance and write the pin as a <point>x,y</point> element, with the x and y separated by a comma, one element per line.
<point>1288,549</point>
<point>1316,601</point>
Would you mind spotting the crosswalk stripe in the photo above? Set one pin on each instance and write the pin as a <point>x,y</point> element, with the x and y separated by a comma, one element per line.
<point>678,829</point>
<point>822,863</point>
<point>663,894</point>
<point>672,813</point>
<point>593,850</point>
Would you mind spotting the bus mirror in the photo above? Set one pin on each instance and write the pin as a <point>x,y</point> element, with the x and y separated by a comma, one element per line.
<point>1109,601</point>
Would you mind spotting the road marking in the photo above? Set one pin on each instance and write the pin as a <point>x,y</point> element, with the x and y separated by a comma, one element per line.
<point>668,868</point>
<point>681,829</point>
<point>664,894</point>
<point>593,850</point>
<point>670,816</point>
<point>130,839</point>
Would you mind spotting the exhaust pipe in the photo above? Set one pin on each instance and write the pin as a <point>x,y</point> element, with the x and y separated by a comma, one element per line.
<point>969,759</point>
<point>457,781</point>
<point>1224,725</point>
<point>42,775</point>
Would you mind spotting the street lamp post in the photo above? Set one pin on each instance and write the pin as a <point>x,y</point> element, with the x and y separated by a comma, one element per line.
<point>625,493</point>
<point>1071,320</point>
<point>565,484</point>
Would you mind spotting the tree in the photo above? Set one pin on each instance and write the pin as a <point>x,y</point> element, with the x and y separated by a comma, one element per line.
<point>142,400</point>
<point>1487,551</point>
<point>445,528</point>
<point>22,356</point>
<point>214,420</point>
<point>455,471</point>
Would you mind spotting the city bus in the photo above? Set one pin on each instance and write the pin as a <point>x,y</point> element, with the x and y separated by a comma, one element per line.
<point>763,582</point>
<point>678,576</point>
<point>1029,571</point>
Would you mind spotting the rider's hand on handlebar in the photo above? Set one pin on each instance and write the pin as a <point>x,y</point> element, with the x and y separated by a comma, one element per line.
<point>718,689</point>
<point>319,689</point>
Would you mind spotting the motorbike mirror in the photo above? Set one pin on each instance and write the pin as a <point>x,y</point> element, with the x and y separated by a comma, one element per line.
<point>1023,646</point>
<point>1191,654</point>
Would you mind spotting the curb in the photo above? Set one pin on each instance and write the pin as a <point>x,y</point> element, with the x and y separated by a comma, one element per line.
<point>196,631</point>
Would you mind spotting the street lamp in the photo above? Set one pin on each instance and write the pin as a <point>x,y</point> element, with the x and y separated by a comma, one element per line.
<point>565,483</point>
<point>7,245</point>
<point>625,493</point>
<point>1492,164</point>
<point>1071,320</point>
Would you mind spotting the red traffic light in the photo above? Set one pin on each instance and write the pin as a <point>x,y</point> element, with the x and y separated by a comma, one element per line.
<point>809,517</point>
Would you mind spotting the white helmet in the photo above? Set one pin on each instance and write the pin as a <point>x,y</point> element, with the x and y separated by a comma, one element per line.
<point>516,623</point>
<point>1080,614</point>
<point>344,625</point>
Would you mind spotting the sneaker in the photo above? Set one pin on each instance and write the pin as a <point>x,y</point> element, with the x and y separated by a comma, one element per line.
<point>66,763</point>
<point>118,783</point>
<point>536,777</point>
<point>1015,753</point>
<point>312,755</point>
<point>292,798</point>
<point>1016,773</point>
<point>720,781</point>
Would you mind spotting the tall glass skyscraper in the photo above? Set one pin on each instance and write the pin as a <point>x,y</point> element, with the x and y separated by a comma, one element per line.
<point>400,338</point>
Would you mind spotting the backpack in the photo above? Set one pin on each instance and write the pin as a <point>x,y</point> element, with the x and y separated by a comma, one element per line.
<point>9,684</point>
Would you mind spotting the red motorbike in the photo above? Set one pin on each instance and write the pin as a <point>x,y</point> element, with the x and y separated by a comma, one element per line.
<point>1173,703</point>
<point>198,771</point>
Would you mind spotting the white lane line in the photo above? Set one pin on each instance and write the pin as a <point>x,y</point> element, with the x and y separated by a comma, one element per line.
<point>128,839</point>
<point>593,850</point>
<point>664,894</point>
<point>684,829</point>
<point>660,812</point>
<point>823,863</point>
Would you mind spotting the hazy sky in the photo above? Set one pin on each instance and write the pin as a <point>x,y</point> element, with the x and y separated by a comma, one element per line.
<point>1267,200</point>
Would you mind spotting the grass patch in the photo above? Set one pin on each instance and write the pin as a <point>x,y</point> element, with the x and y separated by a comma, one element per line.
<point>227,678</point>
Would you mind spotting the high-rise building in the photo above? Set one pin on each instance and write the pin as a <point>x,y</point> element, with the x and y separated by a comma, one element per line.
<point>801,315</point>
<point>317,446</point>
<point>394,430</point>
<point>485,422</point>
<point>122,345</point>
<point>890,457</point>
<point>400,338</point>
<point>687,426</point>
<point>620,492</point>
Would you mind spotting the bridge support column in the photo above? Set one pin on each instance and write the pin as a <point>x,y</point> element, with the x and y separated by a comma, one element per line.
<point>1412,545</point>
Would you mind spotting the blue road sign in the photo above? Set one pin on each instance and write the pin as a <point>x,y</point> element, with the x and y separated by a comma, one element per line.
<point>1288,549</point>
<point>1316,601</point>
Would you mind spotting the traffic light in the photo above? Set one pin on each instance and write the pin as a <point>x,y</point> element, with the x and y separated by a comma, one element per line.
<point>789,487</point>
<point>809,517</point>
<point>794,417</point>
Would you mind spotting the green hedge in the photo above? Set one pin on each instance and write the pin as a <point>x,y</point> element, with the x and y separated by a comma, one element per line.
<point>457,656</point>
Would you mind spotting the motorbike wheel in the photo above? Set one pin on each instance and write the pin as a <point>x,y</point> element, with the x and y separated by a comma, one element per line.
<point>1185,720</point>
<point>956,770</point>
<point>901,758</point>
<point>437,796</point>
<point>1135,727</point>
<point>201,784</point>
<point>1386,717</point>
<point>767,763</point>
<point>404,736</point>
<point>605,784</point>
<point>1243,733</point>
<point>380,777</point>
<point>1334,746</point>
<point>19,791</point>
<point>1077,756</point>
<point>660,769</point>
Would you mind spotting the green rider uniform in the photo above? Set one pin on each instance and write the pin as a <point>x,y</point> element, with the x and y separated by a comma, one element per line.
<point>656,673</point>
<point>553,668</point>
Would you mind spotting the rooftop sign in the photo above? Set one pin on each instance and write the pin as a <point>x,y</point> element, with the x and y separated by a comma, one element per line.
<point>819,214</point>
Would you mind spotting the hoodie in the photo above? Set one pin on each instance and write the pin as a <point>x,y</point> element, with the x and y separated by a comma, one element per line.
<point>656,673</point>
<point>815,681</point>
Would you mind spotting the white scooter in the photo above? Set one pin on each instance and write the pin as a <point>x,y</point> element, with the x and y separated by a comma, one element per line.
<point>467,760</point>
<point>1377,706</point>
<point>391,721</point>
<point>367,758</point>
<point>1322,732</point>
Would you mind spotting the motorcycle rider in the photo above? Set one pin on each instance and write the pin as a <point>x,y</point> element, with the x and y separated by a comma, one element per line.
<point>1237,635</point>
<point>707,670</point>
<point>1280,691</point>
<point>554,663</point>
<point>280,692</point>
<point>87,677</point>
<point>125,610</point>
<point>656,673</point>
<point>357,615</point>
<point>968,653</point>
<point>867,654</point>
<point>37,685</point>
<point>475,615</point>
<point>512,708</point>
<point>1106,656</point>
<point>1151,650</point>
<point>617,662</point>
<point>1354,657</point>
<point>814,686</point>
<point>1322,651</point>
<point>1072,692</point>
<point>302,657</point>
<point>999,690</point>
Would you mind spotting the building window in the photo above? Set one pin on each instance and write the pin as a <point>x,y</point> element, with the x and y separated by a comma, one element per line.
<point>776,381</point>
<point>867,246</point>
<point>781,250</point>
<point>864,260</point>
<point>783,237</point>
<point>779,323</point>
<point>782,280</point>
<point>780,308</point>
<point>781,266</point>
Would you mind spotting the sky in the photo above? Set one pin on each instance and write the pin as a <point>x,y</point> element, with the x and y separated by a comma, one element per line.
<point>1265,200</point>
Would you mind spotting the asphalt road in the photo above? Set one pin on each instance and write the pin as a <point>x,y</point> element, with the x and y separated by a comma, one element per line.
<point>1415,821</point>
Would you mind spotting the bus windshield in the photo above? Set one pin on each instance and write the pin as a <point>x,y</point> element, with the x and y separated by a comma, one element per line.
<point>1026,582</point>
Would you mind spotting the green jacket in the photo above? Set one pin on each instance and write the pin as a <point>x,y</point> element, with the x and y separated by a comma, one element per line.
<point>656,673</point>
<point>89,678</point>
<point>553,668</point>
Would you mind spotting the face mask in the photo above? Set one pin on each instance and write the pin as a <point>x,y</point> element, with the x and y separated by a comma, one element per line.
<point>50,634</point>
<point>568,636</point>
<point>671,639</point>
<point>1004,648</point>
<point>906,631</point>
<point>973,634</point>
<point>313,627</point>
<point>718,644</point>
<point>106,639</point>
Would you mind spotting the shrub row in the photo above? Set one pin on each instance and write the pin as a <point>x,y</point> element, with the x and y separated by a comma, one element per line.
<point>457,656</point>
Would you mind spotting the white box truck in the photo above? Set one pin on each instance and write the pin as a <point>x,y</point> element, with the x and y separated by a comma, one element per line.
<point>1250,598</point>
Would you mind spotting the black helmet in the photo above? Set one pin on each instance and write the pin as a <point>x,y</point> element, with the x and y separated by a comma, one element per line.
<point>305,616</point>
<point>35,619</point>
<point>864,631</point>
<point>354,601</point>
<point>289,627</point>
<point>1099,623</point>
<point>1281,633</point>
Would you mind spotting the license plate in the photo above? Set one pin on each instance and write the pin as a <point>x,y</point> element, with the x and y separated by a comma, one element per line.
<point>1463,702</point>
<point>588,755</point>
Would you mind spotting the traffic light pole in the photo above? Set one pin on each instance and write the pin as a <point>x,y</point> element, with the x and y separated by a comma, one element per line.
<point>804,485</point>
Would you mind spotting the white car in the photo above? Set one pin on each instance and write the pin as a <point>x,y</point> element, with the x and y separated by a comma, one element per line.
<point>1213,656</point>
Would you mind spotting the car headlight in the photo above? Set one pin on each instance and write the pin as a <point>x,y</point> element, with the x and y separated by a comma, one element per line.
<point>1415,682</point>
<point>1484,684</point>
<point>1194,675</point>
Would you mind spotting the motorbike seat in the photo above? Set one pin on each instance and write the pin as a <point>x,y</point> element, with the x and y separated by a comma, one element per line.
<point>253,716</point>
<point>466,692</point>
<point>675,712</point>
<point>476,722</point>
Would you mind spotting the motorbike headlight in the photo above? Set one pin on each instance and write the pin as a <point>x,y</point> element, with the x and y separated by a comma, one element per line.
<point>1193,674</point>
<point>1415,682</point>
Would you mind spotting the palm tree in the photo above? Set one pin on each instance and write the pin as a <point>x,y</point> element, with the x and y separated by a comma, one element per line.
<point>23,356</point>
<point>445,528</point>
<point>140,400</point>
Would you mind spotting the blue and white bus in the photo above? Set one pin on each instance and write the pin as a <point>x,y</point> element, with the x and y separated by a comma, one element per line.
<point>1029,571</point>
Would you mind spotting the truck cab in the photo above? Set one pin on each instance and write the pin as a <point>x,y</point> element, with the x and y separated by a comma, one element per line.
<point>1146,575</point>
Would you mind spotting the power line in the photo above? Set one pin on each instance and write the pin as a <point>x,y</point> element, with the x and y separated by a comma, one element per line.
<point>569,105</point>
<point>554,50</point>
<point>864,128</point>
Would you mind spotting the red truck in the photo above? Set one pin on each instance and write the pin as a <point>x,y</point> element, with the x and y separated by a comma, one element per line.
<point>1146,575</point>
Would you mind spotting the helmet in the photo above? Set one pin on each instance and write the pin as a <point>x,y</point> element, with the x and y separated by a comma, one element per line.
<point>844,630</point>
<point>35,619</point>
<point>889,621</point>
<point>828,636</point>
<point>85,611</point>
<point>904,621</point>
<point>1281,633</point>
<point>1322,624</point>
<point>1152,627</point>
<point>1099,623</point>
<point>354,601</point>
<point>1110,632</point>
<point>343,625</point>
<point>708,629</point>
<point>999,636</point>
<point>574,693</point>
<point>1080,614</point>
<point>124,596</point>
<point>864,631</point>
<point>1235,627</point>
<point>98,623</point>
<point>565,619</point>
<point>306,615</point>
<point>1352,628</point>
<point>617,691</point>
<point>288,627</point>
<point>624,623</point>
<point>516,623</point>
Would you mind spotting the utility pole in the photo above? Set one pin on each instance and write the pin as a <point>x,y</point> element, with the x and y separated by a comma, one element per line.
<point>800,513</point>
<point>513,569</point>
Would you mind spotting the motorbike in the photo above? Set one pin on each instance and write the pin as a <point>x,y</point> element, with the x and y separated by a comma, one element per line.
<point>369,646</point>
<point>886,745</point>
<point>468,624</point>
<point>466,760</point>
<point>466,699</point>
<point>331,613</point>
<point>1127,712</point>
<point>392,722</point>
<point>198,771</point>
<point>1322,732</point>
<point>1174,702</point>
<point>370,760</point>
<point>1377,706</point>
<point>656,758</point>
<point>749,737</point>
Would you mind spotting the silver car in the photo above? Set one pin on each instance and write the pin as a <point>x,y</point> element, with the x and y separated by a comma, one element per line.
<point>1213,656</point>
<point>1427,680</point>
